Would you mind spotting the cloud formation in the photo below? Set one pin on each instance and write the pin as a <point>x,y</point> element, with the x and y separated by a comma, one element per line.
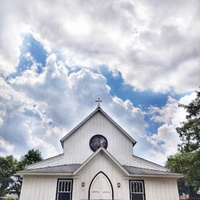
<point>153,45</point>
<point>171,116</point>
<point>38,109</point>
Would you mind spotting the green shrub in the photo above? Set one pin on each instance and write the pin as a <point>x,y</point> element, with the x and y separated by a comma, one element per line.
<point>11,198</point>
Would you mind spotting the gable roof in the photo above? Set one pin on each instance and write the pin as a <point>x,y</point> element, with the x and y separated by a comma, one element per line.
<point>98,109</point>
<point>102,150</point>
<point>52,170</point>
<point>71,169</point>
<point>143,172</point>
<point>74,169</point>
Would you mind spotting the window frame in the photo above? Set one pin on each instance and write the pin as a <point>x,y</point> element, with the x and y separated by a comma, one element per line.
<point>58,189</point>
<point>143,188</point>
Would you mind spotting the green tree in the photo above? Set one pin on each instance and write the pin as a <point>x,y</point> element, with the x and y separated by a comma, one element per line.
<point>189,132</point>
<point>10,182</point>
<point>31,157</point>
<point>187,161</point>
<point>8,166</point>
<point>188,164</point>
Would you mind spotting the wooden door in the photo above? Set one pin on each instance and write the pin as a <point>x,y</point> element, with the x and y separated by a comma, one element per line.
<point>101,188</point>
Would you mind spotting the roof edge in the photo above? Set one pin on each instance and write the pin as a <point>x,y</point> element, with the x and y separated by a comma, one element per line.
<point>157,176</point>
<point>45,160</point>
<point>165,174</point>
<point>79,125</point>
<point>98,109</point>
<point>101,149</point>
<point>118,126</point>
<point>148,162</point>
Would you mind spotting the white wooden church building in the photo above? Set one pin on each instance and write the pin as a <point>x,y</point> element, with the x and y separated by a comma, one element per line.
<point>98,163</point>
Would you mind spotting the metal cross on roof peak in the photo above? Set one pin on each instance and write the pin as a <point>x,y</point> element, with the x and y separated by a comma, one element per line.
<point>98,102</point>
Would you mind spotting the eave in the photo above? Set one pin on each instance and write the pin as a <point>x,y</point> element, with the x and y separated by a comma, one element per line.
<point>72,170</point>
<point>143,172</point>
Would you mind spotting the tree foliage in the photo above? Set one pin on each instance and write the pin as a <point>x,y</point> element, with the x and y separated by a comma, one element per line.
<point>31,157</point>
<point>187,161</point>
<point>189,132</point>
<point>188,164</point>
<point>10,182</point>
<point>8,166</point>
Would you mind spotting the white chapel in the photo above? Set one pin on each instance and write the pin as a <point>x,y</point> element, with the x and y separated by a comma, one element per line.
<point>98,164</point>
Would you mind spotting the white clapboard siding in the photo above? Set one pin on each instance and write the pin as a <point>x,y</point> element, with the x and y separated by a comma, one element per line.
<point>38,187</point>
<point>164,189</point>
<point>44,187</point>
<point>77,150</point>
<point>108,167</point>
<point>78,143</point>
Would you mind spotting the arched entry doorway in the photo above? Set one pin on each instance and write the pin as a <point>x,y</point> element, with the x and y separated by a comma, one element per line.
<point>100,188</point>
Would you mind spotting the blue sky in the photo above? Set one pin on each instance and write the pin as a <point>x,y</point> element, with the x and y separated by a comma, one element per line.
<point>140,61</point>
<point>117,86</point>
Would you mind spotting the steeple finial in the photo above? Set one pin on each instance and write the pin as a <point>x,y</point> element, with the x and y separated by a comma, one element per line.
<point>98,102</point>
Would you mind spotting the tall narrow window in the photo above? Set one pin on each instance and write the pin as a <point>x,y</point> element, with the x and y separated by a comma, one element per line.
<point>137,190</point>
<point>64,190</point>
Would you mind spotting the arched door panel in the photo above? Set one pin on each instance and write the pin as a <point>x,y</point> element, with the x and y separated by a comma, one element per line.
<point>100,188</point>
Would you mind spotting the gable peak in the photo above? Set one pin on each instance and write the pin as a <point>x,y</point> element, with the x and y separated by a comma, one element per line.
<point>98,109</point>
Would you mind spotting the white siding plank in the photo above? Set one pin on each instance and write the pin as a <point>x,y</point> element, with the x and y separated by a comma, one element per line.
<point>40,188</point>
<point>164,189</point>
<point>118,144</point>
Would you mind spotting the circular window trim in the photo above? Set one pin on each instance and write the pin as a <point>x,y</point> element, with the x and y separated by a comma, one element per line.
<point>95,146</point>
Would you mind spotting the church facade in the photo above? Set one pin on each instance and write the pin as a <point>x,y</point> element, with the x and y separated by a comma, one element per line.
<point>98,163</point>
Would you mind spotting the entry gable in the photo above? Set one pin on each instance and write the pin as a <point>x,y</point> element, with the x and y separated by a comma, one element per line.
<point>99,155</point>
